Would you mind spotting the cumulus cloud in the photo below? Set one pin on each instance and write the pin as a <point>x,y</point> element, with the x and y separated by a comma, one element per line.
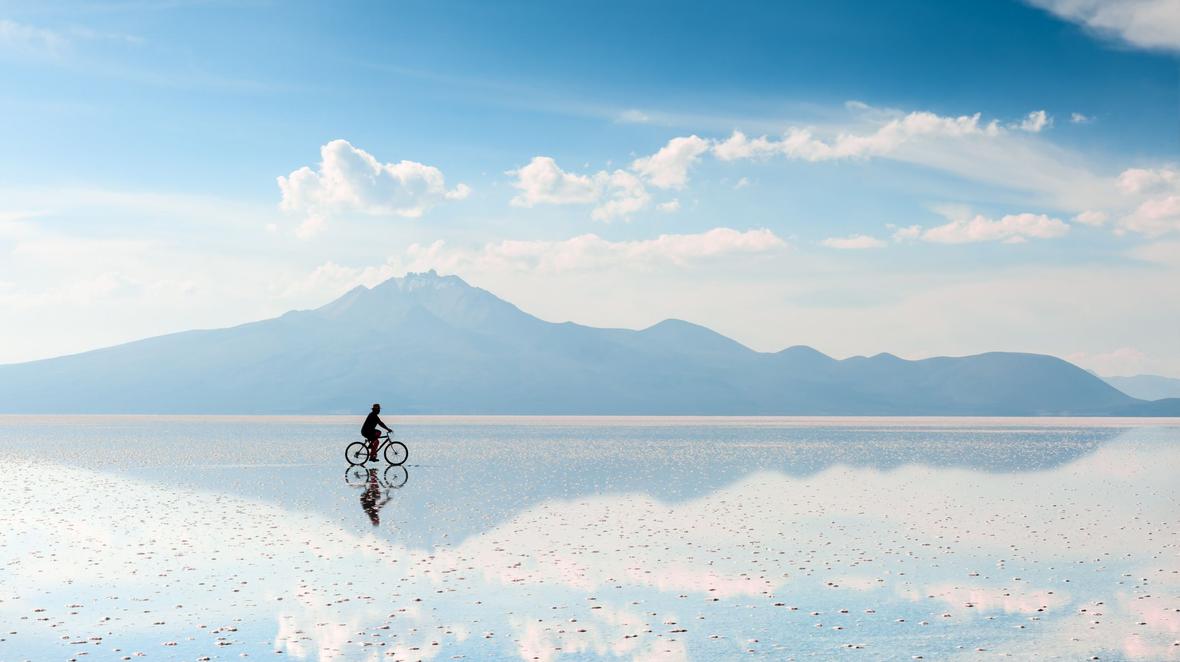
<point>350,180</point>
<point>1142,180</point>
<point>590,251</point>
<point>615,194</point>
<point>1013,228</point>
<point>798,143</point>
<point>1079,118</point>
<point>1152,24</point>
<point>542,181</point>
<point>668,168</point>
<point>669,206</point>
<point>1155,196</point>
<point>1035,122</point>
<point>854,242</point>
<point>623,195</point>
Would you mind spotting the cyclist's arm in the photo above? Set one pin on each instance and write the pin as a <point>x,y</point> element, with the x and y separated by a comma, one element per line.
<point>382,424</point>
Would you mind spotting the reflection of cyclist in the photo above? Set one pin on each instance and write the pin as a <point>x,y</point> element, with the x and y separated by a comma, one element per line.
<point>369,499</point>
<point>369,431</point>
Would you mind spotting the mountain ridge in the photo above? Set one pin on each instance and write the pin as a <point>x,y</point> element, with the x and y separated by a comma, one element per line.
<point>425,343</point>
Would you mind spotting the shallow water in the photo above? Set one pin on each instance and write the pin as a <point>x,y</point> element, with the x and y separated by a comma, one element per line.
<point>576,538</point>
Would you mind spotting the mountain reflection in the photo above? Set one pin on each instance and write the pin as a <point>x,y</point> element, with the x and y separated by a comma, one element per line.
<point>497,467</point>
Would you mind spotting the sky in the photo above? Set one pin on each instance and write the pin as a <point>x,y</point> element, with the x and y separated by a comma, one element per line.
<point>908,177</point>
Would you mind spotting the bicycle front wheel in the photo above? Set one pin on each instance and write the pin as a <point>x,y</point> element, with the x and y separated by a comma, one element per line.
<point>396,453</point>
<point>396,476</point>
<point>357,452</point>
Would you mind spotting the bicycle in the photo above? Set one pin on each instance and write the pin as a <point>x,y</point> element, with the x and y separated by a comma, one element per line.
<point>395,476</point>
<point>395,451</point>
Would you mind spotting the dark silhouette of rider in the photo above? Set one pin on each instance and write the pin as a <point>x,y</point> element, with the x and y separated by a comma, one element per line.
<point>369,499</point>
<point>369,431</point>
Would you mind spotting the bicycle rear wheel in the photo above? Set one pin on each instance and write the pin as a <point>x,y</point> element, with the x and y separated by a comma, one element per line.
<point>357,452</point>
<point>396,453</point>
<point>356,475</point>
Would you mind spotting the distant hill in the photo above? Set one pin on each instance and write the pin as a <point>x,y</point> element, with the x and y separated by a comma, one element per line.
<point>433,344</point>
<point>1146,387</point>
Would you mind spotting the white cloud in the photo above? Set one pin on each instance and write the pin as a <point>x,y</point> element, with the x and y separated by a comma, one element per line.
<point>1013,228</point>
<point>543,182</point>
<point>623,194</point>
<point>1091,217</point>
<point>590,251</point>
<point>1154,217</point>
<point>854,242</point>
<point>964,145</point>
<point>1079,118</point>
<point>350,180</point>
<point>669,206</point>
<point>1035,122</point>
<point>668,168</point>
<point>798,143</point>
<point>907,233</point>
<point>1155,194</point>
<point>1151,24</point>
<point>1143,180</point>
<point>633,116</point>
<point>1119,362</point>
<point>616,194</point>
<point>26,38</point>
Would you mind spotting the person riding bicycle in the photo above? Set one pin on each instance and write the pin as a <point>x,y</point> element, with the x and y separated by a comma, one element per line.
<point>369,431</point>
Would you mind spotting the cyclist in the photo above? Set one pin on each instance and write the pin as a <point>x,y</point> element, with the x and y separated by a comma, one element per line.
<point>369,499</point>
<point>369,431</point>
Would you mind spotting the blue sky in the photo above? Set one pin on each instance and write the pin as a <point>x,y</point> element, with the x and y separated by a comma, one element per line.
<point>934,178</point>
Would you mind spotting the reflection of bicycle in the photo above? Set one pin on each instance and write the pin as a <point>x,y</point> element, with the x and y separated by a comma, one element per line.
<point>395,451</point>
<point>394,477</point>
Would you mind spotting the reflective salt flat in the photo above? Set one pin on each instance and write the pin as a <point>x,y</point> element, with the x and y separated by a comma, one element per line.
<point>577,541</point>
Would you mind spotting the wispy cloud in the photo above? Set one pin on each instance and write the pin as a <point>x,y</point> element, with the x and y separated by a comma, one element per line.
<point>965,145</point>
<point>1151,24</point>
<point>1117,362</point>
<point>800,143</point>
<point>853,242</point>
<point>590,251</point>
<point>31,39</point>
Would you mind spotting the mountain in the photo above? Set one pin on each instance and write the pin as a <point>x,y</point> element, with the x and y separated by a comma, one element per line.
<point>434,344</point>
<point>1146,387</point>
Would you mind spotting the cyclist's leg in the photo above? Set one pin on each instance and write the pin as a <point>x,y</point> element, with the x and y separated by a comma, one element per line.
<point>374,446</point>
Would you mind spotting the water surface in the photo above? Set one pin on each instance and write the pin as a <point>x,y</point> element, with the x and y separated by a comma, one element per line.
<point>588,538</point>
